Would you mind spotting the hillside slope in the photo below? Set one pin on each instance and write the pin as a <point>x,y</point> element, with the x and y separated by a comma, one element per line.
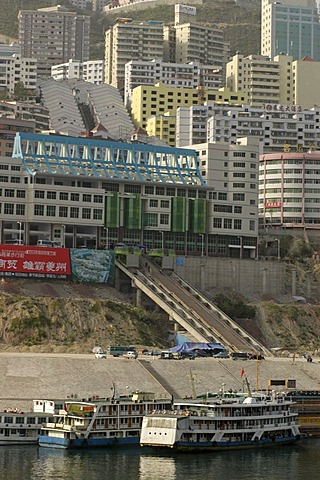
<point>240,21</point>
<point>73,318</point>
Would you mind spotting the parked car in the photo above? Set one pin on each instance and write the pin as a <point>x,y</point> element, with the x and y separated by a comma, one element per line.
<point>100,355</point>
<point>256,356</point>
<point>239,356</point>
<point>131,354</point>
<point>221,355</point>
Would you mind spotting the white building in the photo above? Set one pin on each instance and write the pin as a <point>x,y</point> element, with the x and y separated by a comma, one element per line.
<point>91,71</point>
<point>289,191</point>
<point>232,171</point>
<point>189,75</point>
<point>15,68</point>
<point>278,127</point>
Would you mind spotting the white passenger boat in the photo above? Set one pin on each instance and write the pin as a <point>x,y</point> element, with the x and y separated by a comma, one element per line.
<point>223,423</point>
<point>18,427</point>
<point>101,422</point>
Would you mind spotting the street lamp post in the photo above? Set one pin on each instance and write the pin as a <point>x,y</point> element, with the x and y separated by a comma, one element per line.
<point>278,242</point>
<point>162,240</point>
<point>64,235</point>
<point>20,232</point>
<point>106,229</point>
<point>240,247</point>
<point>202,244</point>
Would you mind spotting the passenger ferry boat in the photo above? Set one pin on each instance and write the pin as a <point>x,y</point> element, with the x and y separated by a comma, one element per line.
<point>101,422</point>
<point>223,423</point>
<point>18,427</point>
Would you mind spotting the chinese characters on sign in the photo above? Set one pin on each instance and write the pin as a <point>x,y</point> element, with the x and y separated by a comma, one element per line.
<point>26,261</point>
<point>272,204</point>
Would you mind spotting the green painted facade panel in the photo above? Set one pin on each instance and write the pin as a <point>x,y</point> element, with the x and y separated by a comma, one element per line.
<point>132,212</point>
<point>112,211</point>
<point>197,215</point>
<point>178,214</point>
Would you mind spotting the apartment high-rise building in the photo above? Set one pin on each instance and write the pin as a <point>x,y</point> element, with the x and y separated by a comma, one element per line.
<point>128,40</point>
<point>53,35</point>
<point>193,42</point>
<point>189,75</point>
<point>15,68</point>
<point>290,27</point>
<point>91,71</point>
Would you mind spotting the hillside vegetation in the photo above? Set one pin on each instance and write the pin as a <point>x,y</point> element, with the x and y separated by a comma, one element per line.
<point>240,21</point>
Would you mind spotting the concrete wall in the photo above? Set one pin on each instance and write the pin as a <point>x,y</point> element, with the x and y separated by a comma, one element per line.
<point>248,277</point>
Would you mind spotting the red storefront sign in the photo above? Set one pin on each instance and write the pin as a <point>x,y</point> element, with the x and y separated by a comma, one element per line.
<point>272,204</point>
<point>34,261</point>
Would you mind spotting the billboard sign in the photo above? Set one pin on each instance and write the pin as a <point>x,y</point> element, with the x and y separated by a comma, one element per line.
<point>272,205</point>
<point>34,261</point>
<point>93,266</point>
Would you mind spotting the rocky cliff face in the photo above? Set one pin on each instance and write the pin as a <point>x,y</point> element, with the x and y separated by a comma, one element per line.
<point>68,322</point>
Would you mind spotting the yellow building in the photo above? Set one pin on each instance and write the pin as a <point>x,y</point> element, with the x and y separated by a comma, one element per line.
<point>154,107</point>
<point>163,127</point>
<point>150,100</point>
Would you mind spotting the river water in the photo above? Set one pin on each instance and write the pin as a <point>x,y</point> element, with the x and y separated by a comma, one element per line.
<point>298,462</point>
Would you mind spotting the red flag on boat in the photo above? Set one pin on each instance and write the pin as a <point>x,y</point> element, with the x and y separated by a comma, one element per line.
<point>242,373</point>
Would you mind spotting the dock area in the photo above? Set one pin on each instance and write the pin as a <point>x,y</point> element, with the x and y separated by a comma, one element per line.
<point>28,376</point>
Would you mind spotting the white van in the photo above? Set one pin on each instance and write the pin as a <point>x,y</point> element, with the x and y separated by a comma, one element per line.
<point>131,354</point>
<point>48,243</point>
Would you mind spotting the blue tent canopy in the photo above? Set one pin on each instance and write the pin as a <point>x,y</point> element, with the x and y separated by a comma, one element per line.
<point>191,346</point>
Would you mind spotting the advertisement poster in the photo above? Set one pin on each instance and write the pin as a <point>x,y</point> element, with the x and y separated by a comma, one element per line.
<point>92,266</point>
<point>34,261</point>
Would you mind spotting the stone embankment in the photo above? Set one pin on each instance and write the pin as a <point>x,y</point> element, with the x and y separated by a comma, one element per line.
<point>64,376</point>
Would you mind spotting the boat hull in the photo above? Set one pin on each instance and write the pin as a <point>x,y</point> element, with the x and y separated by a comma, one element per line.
<point>56,442</point>
<point>219,446</point>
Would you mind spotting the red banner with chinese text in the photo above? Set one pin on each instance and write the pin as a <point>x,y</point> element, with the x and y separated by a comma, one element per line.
<point>34,261</point>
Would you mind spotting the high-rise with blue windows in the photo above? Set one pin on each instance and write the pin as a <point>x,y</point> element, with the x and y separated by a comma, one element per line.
<point>290,27</point>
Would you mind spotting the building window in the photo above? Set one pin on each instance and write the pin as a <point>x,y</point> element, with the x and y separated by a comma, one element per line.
<point>237,209</point>
<point>237,224</point>
<point>75,197</point>
<point>217,223</point>
<point>222,196</point>
<point>98,198</point>
<point>74,212</point>
<point>39,194</point>
<point>21,194</point>
<point>64,196</point>
<point>51,195</point>
<point>97,214</point>
<point>86,213</point>
<point>252,225</point>
<point>159,190</point>
<point>238,197</point>
<point>9,193</point>
<point>20,209</point>
<point>164,204</point>
<point>51,210</point>
<point>63,212</point>
<point>148,190</point>
<point>153,203</point>
<point>164,219</point>
<point>86,198</point>
<point>15,180</point>
<point>8,209</point>
<point>39,210</point>
<point>227,223</point>
<point>150,220</point>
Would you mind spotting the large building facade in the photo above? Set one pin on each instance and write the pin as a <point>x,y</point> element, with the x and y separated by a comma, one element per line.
<point>16,68</point>
<point>278,127</point>
<point>128,40</point>
<point>290,27</point>
<point>289,190</point>
<point>53,35</point>
<point>90,193</point>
